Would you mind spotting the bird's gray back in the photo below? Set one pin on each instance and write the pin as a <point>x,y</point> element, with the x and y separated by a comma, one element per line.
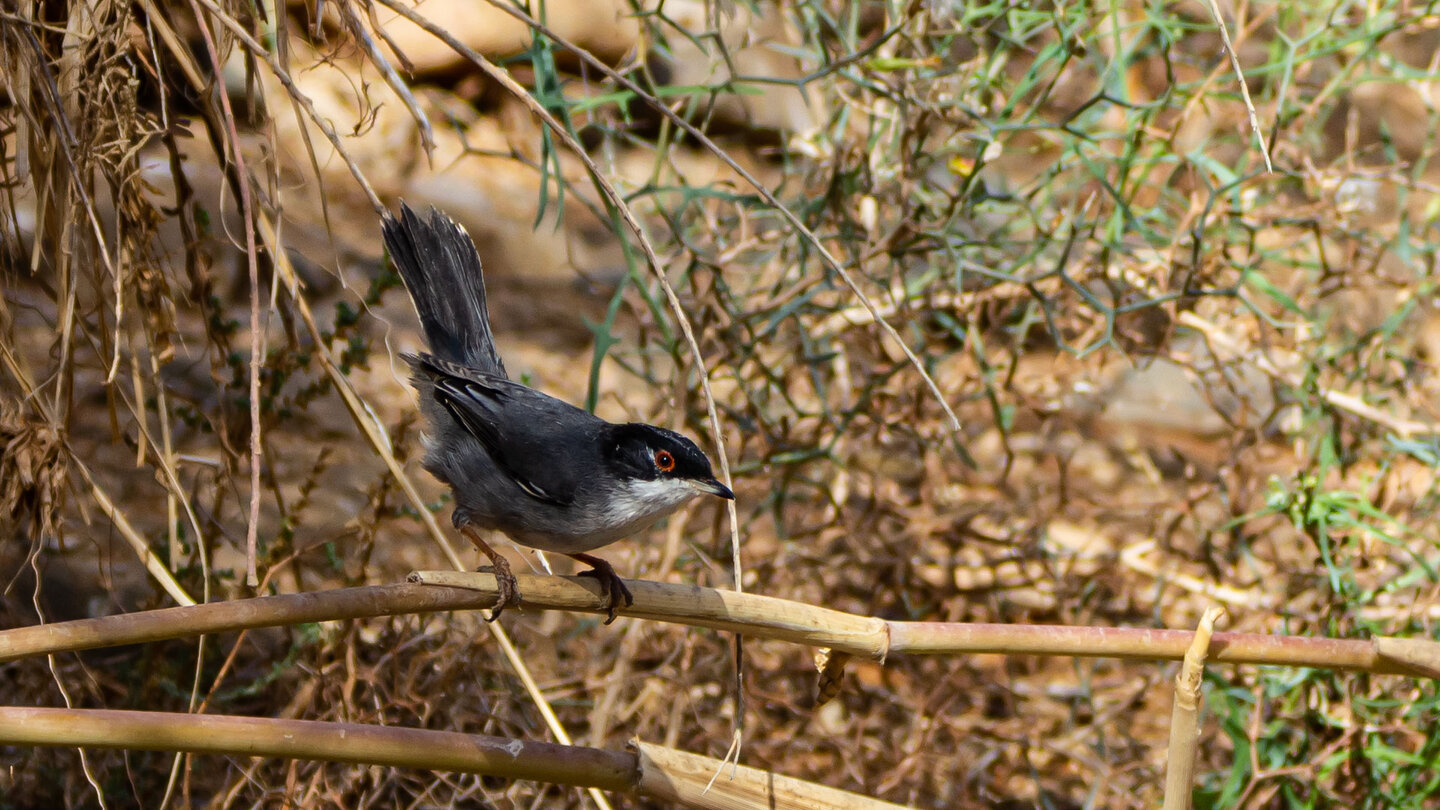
<point>541,483</point>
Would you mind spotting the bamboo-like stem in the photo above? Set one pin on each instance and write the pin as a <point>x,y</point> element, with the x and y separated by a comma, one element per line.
<point>750,614</point>
<point>690,780</point>
<point>1160,644</point>
<point>1185,716</point>
<point>356,743</point>
<point>238,614</point>
<point>746,613</point>
<point>655,772</point>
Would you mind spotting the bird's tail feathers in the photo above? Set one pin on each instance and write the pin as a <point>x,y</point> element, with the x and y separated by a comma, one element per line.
<point>437,260</point>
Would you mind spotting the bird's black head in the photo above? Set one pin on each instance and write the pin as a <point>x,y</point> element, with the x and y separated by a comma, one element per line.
<point>641,452</point>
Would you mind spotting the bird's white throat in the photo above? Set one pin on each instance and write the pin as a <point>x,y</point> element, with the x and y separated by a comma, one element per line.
<point>640,501</point>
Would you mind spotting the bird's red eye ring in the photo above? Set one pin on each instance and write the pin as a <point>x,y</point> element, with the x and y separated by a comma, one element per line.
<point>664,461</point>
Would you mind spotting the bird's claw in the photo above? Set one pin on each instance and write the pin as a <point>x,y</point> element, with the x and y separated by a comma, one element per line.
<point>508,595</point>
<point>613,587</point>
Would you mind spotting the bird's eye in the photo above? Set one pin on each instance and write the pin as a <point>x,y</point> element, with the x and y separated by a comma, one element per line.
<point>664,461</point>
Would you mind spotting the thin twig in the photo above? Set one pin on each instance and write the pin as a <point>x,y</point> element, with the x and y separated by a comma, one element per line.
<point>1240,78</point>
<point>257,356</point>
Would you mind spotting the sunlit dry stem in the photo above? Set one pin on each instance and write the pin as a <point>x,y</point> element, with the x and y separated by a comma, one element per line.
<point>318,740</point>
<point>651,771</point>
<point>1185,716</point>
<point>750,614</point>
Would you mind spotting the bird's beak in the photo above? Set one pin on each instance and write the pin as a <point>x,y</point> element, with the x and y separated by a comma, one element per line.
<point>710,486</point>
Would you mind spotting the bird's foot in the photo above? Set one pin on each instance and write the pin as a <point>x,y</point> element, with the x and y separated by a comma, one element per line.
<point>610,583</point>
<point>508,594</point>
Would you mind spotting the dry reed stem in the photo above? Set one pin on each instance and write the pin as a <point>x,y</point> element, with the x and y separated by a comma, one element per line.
<point>732,611</point>
<point>357,743</point>
<point>655,772</point>
<point>748,614</point>
<point>1185,716</point>
<point>231,138</point>
<point>679,776</point>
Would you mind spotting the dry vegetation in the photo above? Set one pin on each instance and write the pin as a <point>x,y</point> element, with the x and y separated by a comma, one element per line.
<point>1181,380</point>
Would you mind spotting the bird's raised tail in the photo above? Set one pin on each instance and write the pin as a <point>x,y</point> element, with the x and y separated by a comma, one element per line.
<point>441,269</point>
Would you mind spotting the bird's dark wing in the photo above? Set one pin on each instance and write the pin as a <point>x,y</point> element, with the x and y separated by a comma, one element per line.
<point>545,441</point>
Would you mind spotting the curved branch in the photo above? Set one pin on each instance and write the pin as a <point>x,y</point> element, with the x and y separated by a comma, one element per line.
<point>652,771</point>
<point>749,614</point>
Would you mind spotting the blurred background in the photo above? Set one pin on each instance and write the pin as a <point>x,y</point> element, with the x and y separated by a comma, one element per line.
<point>1181,378</point>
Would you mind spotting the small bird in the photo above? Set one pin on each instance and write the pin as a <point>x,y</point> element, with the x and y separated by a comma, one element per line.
<point>548,474</point>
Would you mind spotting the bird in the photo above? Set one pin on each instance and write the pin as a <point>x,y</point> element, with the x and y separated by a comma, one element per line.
<point>549,475</point>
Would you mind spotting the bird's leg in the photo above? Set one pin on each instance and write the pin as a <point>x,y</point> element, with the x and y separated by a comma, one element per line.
<point>509,594</point>
<point>610,582</point>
